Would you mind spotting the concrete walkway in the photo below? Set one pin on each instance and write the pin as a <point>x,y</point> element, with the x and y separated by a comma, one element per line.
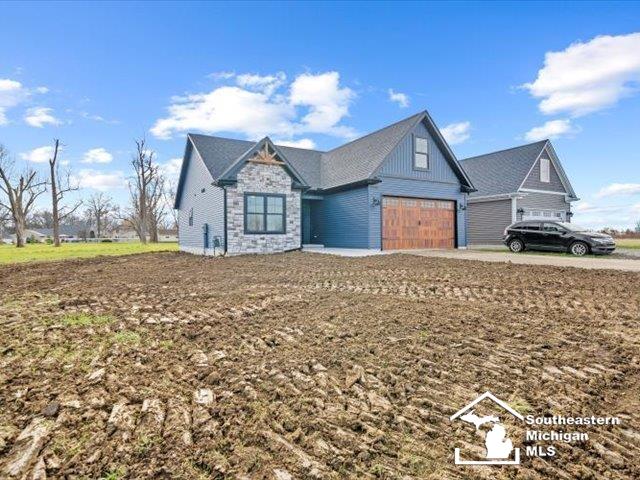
<point>558,260</point>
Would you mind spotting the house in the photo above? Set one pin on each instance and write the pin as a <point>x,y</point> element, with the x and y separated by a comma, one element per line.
<point>521,183</point>
<point>399,187</point>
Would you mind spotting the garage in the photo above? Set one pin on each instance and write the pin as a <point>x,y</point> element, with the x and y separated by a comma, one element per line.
<point>409,223</point>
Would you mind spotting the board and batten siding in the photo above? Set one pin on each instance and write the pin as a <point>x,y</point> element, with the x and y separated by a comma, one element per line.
<point>533,179</point>
<point>207,202</point>
<point>400,160</point>
<point>487,221</point>
<point>543,201</point>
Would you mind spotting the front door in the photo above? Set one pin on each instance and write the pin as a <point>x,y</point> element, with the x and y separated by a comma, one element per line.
<point>306,222</point>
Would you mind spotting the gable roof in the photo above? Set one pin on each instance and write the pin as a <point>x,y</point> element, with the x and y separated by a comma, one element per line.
<point>356,161</point>
<point>504,171</point>
<point>231,171</point>
<point>360,158</point>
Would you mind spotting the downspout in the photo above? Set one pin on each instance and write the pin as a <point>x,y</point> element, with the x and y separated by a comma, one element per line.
<point>224,189</point>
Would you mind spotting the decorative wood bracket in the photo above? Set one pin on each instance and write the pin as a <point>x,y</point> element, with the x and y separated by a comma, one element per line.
<point>266,157</point>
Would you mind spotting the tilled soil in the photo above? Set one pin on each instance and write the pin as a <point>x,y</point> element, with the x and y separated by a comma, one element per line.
<point>307,366</point>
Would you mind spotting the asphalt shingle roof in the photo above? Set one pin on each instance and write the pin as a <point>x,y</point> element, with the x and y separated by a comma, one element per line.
<point>347,164</point>
<point>357,160</point>
<point>501,172</point>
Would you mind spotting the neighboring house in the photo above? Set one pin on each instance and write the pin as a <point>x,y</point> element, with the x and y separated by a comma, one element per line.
<point>399,187</point>
<point>521,183</point>
<point>31,235</point>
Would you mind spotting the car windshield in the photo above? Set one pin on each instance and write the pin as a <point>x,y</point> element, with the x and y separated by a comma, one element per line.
<point>572,227</point>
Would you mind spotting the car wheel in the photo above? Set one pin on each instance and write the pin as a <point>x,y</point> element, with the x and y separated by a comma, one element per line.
<point>579,249</point>
<point>516,245</point>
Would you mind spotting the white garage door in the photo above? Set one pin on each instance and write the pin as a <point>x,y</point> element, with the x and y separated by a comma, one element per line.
<point>557,215</point>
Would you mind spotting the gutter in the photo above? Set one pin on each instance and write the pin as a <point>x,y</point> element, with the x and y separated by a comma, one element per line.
<point>349,186</point>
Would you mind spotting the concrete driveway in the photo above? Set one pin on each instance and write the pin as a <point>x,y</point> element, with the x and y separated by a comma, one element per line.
<point>558,260</point>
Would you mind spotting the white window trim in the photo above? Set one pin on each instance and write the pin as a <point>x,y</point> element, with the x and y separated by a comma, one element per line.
<point>545,173</point>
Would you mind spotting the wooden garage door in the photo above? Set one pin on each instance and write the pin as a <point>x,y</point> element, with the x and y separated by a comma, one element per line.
<point>417,223</point>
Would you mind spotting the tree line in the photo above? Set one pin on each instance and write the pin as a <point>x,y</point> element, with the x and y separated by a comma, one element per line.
<point>148,210</point>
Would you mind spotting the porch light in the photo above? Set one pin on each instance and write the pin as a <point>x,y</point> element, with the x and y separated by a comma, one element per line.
<point>375,201</point>
<point>462,207</point>
<point>520,210</point>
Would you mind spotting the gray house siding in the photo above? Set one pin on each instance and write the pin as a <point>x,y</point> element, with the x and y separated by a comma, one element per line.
<point>343,220</point>
<point>487,221</point>
<point>533,179</point>
<point>543,201</point>
<point>207,202</point>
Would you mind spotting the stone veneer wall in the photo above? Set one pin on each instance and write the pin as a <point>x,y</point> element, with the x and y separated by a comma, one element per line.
<point>261,178</point>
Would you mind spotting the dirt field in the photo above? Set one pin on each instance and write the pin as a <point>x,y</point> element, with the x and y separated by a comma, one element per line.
<point>307,366</point>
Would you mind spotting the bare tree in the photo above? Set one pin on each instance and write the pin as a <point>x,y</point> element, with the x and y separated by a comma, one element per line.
<point>170,198</point>
<point>21,191</point>
<point>5,215</point>
<point>100,207</point>
<point>157,207</point>
<point>58,190</point>
<point>141,187</point>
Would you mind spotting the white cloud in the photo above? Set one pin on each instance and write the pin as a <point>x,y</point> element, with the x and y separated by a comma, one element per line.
<point>259,106</point>
<point>98,180</point>
<point>40,116</point>
<point>11,94</point>
<point>38,155</point>
<point>97,155</point>
<point>455,133</point>
<point>227,109</point>
<point>587,77</point>
<point>221,75</point>
<point>302,143</point>
<point>328,103</point>
<point>619,189</point>
<point>551,129</point>
<point>402,99</point>
<point>171,169</point>
<point>266,84</point>
<point>598,216</point>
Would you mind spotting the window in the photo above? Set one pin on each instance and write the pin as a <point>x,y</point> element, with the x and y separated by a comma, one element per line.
<point>552,227</point>
<point>421,154</point>
<point>528,226</point>
<point>191,217</point>
<point>544,170</point>
<point>264,213</point>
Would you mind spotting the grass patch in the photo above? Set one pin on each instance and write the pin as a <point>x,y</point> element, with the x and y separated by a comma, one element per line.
<point>633,243</point>
<point>115,474</point>
<point>521,406</point>
<point>127,337</point>
<point>86,320</point>
<point>43,252</point>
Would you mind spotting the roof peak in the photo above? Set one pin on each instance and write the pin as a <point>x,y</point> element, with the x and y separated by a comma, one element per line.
<point>423,112</point>
<point>505,150</point>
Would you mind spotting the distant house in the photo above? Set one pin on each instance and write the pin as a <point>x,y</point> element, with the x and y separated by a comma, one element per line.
<point>521,183</point>
<point>399,187</point>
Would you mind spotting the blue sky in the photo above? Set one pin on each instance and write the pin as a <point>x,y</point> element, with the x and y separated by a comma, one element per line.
<point>493,76</point>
